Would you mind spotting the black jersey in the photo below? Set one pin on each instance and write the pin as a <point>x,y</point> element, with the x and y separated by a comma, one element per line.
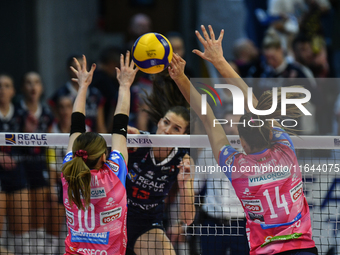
<point>14,179</point>
<point>149,182</point>
<point>43,115</point>
<point>14,122</point>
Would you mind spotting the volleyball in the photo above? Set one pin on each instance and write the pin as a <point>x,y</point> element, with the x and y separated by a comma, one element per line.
<point>152,53</point>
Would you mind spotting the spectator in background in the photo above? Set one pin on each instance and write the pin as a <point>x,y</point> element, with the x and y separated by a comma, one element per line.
<point>335,46</point>
<point>178,46</point>
<point>139,24</point>
<point>104,79</point>
<point>245,55</point>
<point>311,20</point>
<point>311,54</point>
<point>254,29</point>
<point>13,188</point>
<point>275,66</point>
<point>40,119</point>
<point>287,26</point>
<point>94,100</point>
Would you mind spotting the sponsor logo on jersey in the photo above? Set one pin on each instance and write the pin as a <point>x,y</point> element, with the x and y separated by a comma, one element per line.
<point>256,180</point>
<point>10,139</point>
<point>267,238</point>
<point>110,201</point>
<point>165,168</point>
<point>246,192</point>
<point>132,176</point>
<point>285,142</point>
<point>170,169</point>
<point>229,161</point>
<point>146,183</point>
<point>142,206</point>
<point>109,216</point>
<point>150,174</point>
<point>256,217</point>
<point>162,178</point>
<point>242,161</point>
<point>296,192</point>
<point>135,166</point>
<point>70,217</point>
<point>278,134</point>
<point>97,193</point>
<point>253,205</point>
<point>83,237</point>
<point>68,157</point>
<point>72,248</point>
<point>66,203</point>
<point>92,251</point>
<point>113,165</point>
<point>294,177</point>
<point>114,156</point>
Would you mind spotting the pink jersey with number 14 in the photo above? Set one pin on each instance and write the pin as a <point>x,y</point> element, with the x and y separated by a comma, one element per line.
<point>101,229</point>
<point>269,186</point>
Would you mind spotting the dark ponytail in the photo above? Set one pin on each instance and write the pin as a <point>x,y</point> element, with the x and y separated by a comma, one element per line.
<point>165,97</point>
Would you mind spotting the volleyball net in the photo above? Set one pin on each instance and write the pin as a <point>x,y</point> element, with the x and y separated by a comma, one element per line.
<point>33,215</point>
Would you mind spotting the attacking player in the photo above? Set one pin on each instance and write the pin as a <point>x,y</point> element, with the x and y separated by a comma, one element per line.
<point>153,171</point>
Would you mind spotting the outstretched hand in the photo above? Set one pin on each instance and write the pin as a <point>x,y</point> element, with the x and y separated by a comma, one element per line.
<point>127,72</point>
<point>176,67</point>
<point>185,172</point>
<point>84,77</point>
<point>212,48</point>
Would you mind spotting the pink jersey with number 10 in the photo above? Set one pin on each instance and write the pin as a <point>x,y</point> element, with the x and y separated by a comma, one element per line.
<point>101,229</point>
<point>269,186</point>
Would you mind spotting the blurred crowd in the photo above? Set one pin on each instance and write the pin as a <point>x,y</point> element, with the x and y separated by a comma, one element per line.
<point>285,39</point>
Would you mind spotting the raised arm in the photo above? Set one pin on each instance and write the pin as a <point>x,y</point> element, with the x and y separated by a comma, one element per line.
<point>125,75</point>
<point>185,180</point>
<point>217,136</point>
<point>213,53</point>
<point>83,79</point>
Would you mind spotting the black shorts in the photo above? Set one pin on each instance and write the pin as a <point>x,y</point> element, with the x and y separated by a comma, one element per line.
<point>136,227</point>
<point>13,180</point>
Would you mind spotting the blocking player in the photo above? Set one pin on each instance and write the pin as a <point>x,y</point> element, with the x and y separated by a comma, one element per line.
<point>93,187</point>
<point>277,223</point>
